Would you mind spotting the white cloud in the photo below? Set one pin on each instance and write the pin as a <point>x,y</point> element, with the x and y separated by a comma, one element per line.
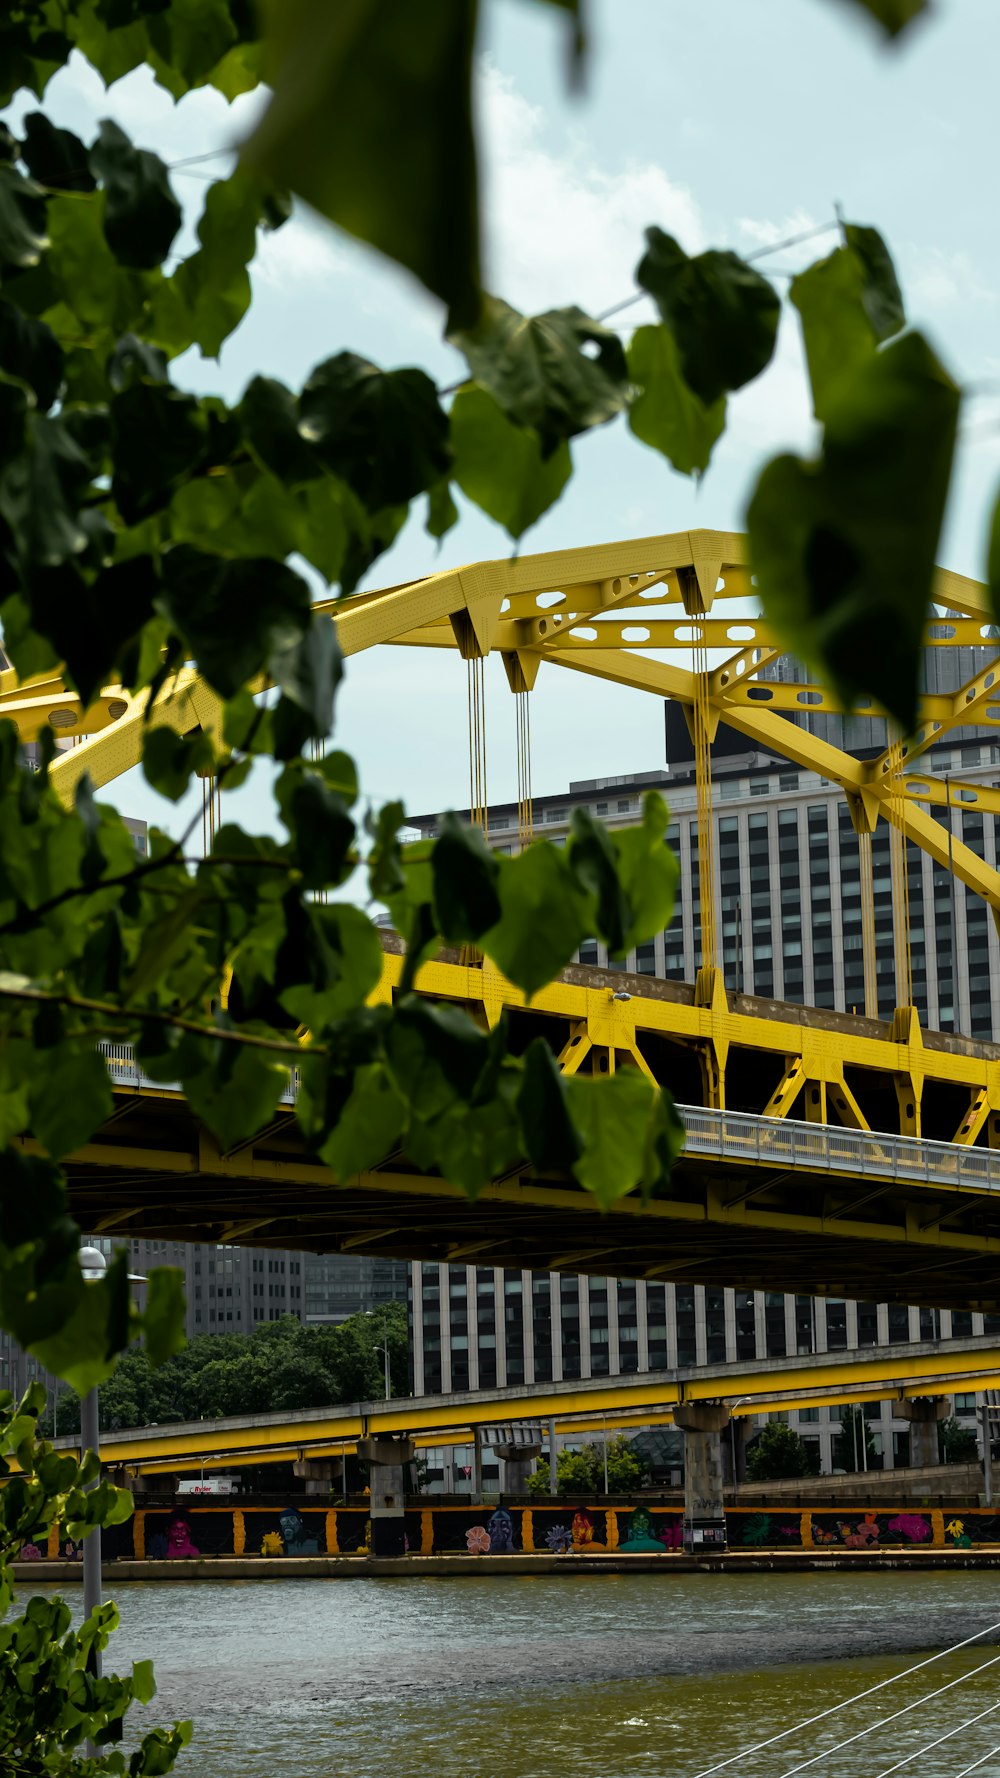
<point>763,232</point>
<point>559,228</point>
<point>940,279</point>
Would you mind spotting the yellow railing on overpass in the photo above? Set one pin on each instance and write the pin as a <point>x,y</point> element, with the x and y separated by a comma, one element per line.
<point>926,1368</point>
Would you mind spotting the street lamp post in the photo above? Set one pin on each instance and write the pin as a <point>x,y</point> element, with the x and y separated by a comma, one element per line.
<point>738,1403</point>
<point>385,1354</point>
<point>93,1266</point>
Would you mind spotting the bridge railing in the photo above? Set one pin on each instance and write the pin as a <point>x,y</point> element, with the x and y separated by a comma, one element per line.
<point>745,1136</point>
<point>828,1148</point>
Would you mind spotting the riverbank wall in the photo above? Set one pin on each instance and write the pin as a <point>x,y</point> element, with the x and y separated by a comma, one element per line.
<point>364,1567</point>
<point>543,1528</point>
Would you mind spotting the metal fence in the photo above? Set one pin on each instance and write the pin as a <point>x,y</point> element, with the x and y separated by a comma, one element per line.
<point>743,1136</point>
<point>827,1148</point>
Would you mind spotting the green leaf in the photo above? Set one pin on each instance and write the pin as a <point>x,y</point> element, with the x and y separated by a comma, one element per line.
<point>436,1055</point>
<point>189,38</point>
<point>143,1682</point>
<point>893,15</point>
<point>208,295</point>
<point>23,237</point>
<point>648,872</point>
<point>158,436</point>
<point>396,78</point>
<point>69,1098</point>
<point>169,759</point>
<point>238,1095</point>
<point>550,1136</point>
<point>836,329</point>
<point>91,621</point>
<point>54,158</point>
<point>234,614</point>
<point>163,1316</point>
<point>539,373</point>
<point>500,466</point>
<point>369,1125</point>
<point>629,1133</point>
<point>591,853</point>
<point>383,432</point>
<point>544,916</point>
<point>323,832</point>
<point>442,513</point>
<point>844,546</point>
<point>30,351</point>
<point>465,875</point>
<point>722,314</point>
<point>307,669</point>
<point>471,1145</point>
<point>40,495</point>
<point>883,298</point>
<point>269,415</point>
<point>83,1348</point>
<point>664,412</point>
<point>141,214</point>
<point>328,964</point>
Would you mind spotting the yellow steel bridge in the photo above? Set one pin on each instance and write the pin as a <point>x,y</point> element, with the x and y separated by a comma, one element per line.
<point>826,1153</point>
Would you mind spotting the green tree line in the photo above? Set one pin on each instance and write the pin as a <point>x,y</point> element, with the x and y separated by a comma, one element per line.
<point>582,1472</point>
<point>280,1365</point>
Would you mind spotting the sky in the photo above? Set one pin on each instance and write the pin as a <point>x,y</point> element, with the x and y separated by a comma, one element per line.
<point>730,123</point>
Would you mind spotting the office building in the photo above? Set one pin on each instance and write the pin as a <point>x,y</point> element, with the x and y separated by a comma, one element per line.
<point>788,917</point>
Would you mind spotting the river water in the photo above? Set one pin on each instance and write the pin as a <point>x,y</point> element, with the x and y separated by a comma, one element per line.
<point>514,1676</point>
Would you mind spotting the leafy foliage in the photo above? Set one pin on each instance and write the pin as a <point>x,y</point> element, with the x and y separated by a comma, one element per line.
<point>582,1472</point>
<point>956,1443</point>
<point>51,1701</point>
<point>854,1445</point>
<point>778,1451</point>
<point>146,539</point>
<point>723,315</point>
<point>280,1366</point>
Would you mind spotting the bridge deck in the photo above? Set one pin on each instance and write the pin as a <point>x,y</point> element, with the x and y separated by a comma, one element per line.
<point>761,1199</point>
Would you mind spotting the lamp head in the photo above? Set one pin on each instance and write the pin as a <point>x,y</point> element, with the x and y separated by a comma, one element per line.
<point>93,1264</point>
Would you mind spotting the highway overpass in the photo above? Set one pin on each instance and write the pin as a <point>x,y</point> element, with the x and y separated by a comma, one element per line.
<point>579,1408</point>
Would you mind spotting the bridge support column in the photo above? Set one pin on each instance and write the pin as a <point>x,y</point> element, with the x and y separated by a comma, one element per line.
<point>318,1473</point>
<point>703,1424</point>
<point>923,1413</point>
<point>387,1457</point>
<point>518,1464</point>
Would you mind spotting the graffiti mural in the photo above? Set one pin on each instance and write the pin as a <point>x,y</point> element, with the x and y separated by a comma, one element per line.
<point>179,1539</point>
<point>501,1533</point>
<point>294,1536</point>
<point>558,1529</point>
<point>640,1534</point>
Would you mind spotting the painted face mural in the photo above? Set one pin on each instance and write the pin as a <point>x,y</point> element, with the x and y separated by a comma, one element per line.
<point>501,1533</point>
<point>179,1539</point>
<point>640,1534</point>
<point>296,1540</point>
<point>583,1532</point>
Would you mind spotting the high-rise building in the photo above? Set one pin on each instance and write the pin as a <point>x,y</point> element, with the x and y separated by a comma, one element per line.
<point>788,916</point>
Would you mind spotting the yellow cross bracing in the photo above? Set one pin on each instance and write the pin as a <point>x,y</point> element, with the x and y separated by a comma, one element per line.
<point>624,612</point>
<point>613,611</point>
<point>579,1408</point>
